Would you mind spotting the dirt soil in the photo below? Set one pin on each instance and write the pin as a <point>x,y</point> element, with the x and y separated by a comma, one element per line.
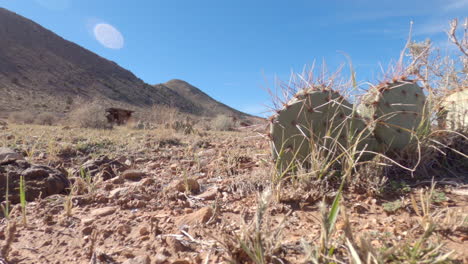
<point>189,199</point>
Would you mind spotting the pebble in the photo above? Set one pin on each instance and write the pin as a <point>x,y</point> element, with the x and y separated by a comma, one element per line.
<point>207,153</point>
<point>133,175</point>
<point>103,211</point>
<point>7,153</point>
<point>87,230</point>
<point>209,194</point>
<point>144,231</point>
<point>117,193</point>
<point>197,217</point>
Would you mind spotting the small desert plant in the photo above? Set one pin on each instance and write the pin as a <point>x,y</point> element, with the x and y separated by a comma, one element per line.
<point>90,115</point>
<point>22,117</point>
<point>22,189</point>
<point>46,119</point>
<point>257,243</point>
<point>222,123</point>
<point>68,202</point>
<point>163,114</point>
<point>10,236</point>
<point>87,181</point>
<point>6,205</point>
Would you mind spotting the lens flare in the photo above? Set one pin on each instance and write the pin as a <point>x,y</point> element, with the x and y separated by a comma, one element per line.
<point>108,36</point>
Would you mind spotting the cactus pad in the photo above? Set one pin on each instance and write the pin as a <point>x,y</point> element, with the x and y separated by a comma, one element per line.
<point>319,117</point>
<point>398,110</point>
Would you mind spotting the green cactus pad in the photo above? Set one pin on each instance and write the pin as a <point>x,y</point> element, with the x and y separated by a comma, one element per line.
<point>398,110</point>
<point>322,118</point>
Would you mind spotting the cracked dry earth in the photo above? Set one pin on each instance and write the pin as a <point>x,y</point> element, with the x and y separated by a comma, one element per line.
<point>162,197</point>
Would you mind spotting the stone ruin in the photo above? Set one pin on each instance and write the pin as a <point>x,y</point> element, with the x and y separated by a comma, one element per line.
<point>118,116</point>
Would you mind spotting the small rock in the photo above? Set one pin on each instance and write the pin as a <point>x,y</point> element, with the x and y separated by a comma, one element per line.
<point>153,165</point>
<point>199,217</point>
<point>188,162</point>
<point>144,231</point>
<point>138,260</point>
<point>174,245</point>
<point>134,204</point>
<point>174,166</point>
<point>203,162</point>
<point>209,194</point>
<point>207,153</point>
<point>147,182</point>
<point>103,211</point>
<point>87,221</point>
<point>7,153</point>
<point>160,259</point>
<point>180,261</point>
<point>87,230</point>
<point>117,180</point>
<point>133,175</point>
<point>117,193</point>
<point>124,229</point>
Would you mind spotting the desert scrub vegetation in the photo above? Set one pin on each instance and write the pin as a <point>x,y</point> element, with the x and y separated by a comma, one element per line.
<point>319,138</point>
<point>28,117</point>
<point>222,123</point>
<point>22,117</point>
<point>89,115</point>
<point>397,120</point>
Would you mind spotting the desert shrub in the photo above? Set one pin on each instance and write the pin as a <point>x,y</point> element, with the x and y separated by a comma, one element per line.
<point>222,123</point>
<point>163,114</point>
<point>47,118</point>
<point>185,127</point>
<point>22,117</point>
<point>89,115</point>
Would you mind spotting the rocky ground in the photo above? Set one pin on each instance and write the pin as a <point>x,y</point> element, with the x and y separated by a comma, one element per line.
<point>156,196</point>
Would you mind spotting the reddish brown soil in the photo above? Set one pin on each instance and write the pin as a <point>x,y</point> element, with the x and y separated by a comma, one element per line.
<point>152,220</point>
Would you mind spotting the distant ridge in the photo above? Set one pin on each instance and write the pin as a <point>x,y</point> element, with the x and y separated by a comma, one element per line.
<point>199,99</point>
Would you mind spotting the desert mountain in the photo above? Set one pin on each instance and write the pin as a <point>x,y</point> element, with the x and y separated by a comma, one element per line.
<point>40,71</point>
<point>199,99</point>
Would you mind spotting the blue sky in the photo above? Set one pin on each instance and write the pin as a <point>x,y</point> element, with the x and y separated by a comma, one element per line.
<point>233,49</point>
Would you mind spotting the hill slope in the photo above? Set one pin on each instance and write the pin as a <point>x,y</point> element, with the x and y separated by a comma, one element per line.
<point>199,99</point>
<point>40,71</point>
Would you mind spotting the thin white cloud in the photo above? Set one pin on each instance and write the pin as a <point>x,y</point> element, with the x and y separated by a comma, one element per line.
<point>431,27</point>
<point>452,5</point>
<point>108,36</point>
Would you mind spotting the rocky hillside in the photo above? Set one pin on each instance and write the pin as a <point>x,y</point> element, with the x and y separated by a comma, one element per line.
<point>40,71</point>
<point>199,99</point>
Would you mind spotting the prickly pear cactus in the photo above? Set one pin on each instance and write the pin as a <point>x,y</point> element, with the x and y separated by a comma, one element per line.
<point>398,110</point>
<point>455,110</point>
<point>319,117</point>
